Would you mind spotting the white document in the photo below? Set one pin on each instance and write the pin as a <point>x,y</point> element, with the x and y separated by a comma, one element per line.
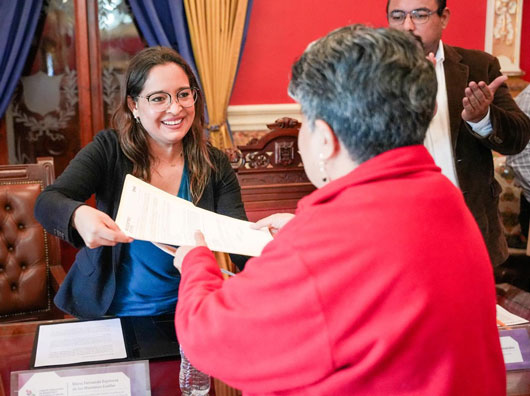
<point>76,342</point>
<point>150,214</point>
<point>51,384</point>
<point>507,318</point>
<point>510,350</point>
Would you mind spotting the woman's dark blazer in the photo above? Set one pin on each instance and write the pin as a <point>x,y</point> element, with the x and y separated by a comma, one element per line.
<point>100,168</point>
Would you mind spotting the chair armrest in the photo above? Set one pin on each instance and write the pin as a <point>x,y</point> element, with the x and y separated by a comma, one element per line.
<point>57,276</point>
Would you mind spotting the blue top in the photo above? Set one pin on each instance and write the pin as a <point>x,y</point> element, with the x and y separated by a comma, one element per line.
<point>146,281</point>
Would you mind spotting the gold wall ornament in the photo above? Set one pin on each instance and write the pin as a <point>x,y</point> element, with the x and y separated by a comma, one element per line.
<point>505,18</point>
<point>503,33</point>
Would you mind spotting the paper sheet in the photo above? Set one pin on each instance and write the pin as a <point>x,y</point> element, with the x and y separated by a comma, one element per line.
<point>76,342</point>
<point>506,318</point>
<point>150,214</point>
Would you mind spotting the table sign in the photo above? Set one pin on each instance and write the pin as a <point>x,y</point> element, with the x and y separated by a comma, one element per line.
<point>114,379</point>
<point>515,345</point>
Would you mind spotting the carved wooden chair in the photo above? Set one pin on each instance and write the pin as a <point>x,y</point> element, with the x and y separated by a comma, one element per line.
<point>270,171</point>
<point>30,267</point>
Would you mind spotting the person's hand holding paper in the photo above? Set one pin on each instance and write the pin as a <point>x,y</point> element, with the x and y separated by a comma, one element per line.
<point>273,222</point>
<point>182,251</point>
<point>97,228</point>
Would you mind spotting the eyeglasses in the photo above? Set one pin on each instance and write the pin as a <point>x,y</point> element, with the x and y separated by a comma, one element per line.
<point>418,16</point>
<point>161,101</point>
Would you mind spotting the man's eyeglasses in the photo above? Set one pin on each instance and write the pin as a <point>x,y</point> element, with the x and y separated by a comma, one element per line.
<point>419,16</point>
<point>161,101</point>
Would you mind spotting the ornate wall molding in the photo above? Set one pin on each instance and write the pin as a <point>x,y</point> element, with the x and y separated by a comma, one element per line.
<point>256,117</point>
<point>503,33</point>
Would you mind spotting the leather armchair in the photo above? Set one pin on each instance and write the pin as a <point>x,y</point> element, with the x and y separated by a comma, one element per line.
<point>30,268</point>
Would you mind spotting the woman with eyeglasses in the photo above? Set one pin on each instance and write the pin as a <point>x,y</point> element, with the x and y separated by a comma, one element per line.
<point>158,136</point>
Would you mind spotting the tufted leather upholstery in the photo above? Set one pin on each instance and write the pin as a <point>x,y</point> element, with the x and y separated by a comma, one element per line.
<point>30,269</point>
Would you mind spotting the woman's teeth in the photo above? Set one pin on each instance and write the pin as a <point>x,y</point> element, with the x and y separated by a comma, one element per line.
<point>172,122</point>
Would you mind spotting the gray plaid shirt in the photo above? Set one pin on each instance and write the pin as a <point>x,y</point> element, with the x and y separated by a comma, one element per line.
<point>520,163</point>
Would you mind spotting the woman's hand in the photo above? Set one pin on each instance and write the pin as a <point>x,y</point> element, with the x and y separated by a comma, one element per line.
<point>273,222</point>
<point>97,228</point>
<point>184,250</point>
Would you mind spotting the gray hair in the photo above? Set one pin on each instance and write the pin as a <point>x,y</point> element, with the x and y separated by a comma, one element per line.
<point>373,87</point>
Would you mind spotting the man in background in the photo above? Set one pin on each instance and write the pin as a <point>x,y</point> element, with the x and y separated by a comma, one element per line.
<point>476,114</point>
<point>520,163</point>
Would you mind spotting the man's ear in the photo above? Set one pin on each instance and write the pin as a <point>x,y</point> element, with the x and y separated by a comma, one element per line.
<point>446,15</point>
<point>327,139</point>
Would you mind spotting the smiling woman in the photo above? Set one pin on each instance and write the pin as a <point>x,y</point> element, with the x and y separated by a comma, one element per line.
<point>158,137</point>
<point>166,123</point>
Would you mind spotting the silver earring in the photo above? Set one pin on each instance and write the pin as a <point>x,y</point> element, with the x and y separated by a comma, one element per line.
<point>137,119</point>
<point>322,168</point>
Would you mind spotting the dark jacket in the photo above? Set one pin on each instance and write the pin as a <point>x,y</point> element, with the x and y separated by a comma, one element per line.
<point>100,168</point>
<point>472,153</point>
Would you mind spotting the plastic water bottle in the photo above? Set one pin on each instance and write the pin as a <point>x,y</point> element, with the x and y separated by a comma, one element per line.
<point>192,381</point>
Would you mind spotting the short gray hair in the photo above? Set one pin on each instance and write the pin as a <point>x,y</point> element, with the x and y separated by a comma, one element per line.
<point>373,87</point>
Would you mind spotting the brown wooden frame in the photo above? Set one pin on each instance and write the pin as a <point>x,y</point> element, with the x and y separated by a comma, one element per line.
<point>88,63</point>
<point>91,117</point>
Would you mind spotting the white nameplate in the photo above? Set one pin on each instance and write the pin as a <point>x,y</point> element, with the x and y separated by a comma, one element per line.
<point>510,350</point>
<point>114,379</point>
<point>50,384</point>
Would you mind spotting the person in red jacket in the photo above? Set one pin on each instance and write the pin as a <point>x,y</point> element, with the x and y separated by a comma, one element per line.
<point>381,283</point>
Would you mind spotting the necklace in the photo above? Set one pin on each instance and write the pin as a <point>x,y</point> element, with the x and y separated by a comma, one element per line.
<point>172,163</point>
<point>175,162</point>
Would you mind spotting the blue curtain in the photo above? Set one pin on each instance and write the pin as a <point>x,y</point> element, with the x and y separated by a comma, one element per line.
<point>245,30</point>
<point>19,20</point>
<point>163,22</point>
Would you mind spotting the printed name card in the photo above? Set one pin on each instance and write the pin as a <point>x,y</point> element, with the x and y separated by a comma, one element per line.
<point>115,379</point>
<point>50,384</point>
<point>515,345</point>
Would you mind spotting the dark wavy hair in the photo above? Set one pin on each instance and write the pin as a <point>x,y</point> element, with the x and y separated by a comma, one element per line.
<point>133,137</point>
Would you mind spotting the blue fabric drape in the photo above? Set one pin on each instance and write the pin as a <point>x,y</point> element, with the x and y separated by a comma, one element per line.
<point>245,30</point>
<point>163,22</point>
<point>19,21</point>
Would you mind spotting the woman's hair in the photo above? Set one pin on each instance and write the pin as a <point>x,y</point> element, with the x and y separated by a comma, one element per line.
<point>373,87</point>
<point>133,137</point>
